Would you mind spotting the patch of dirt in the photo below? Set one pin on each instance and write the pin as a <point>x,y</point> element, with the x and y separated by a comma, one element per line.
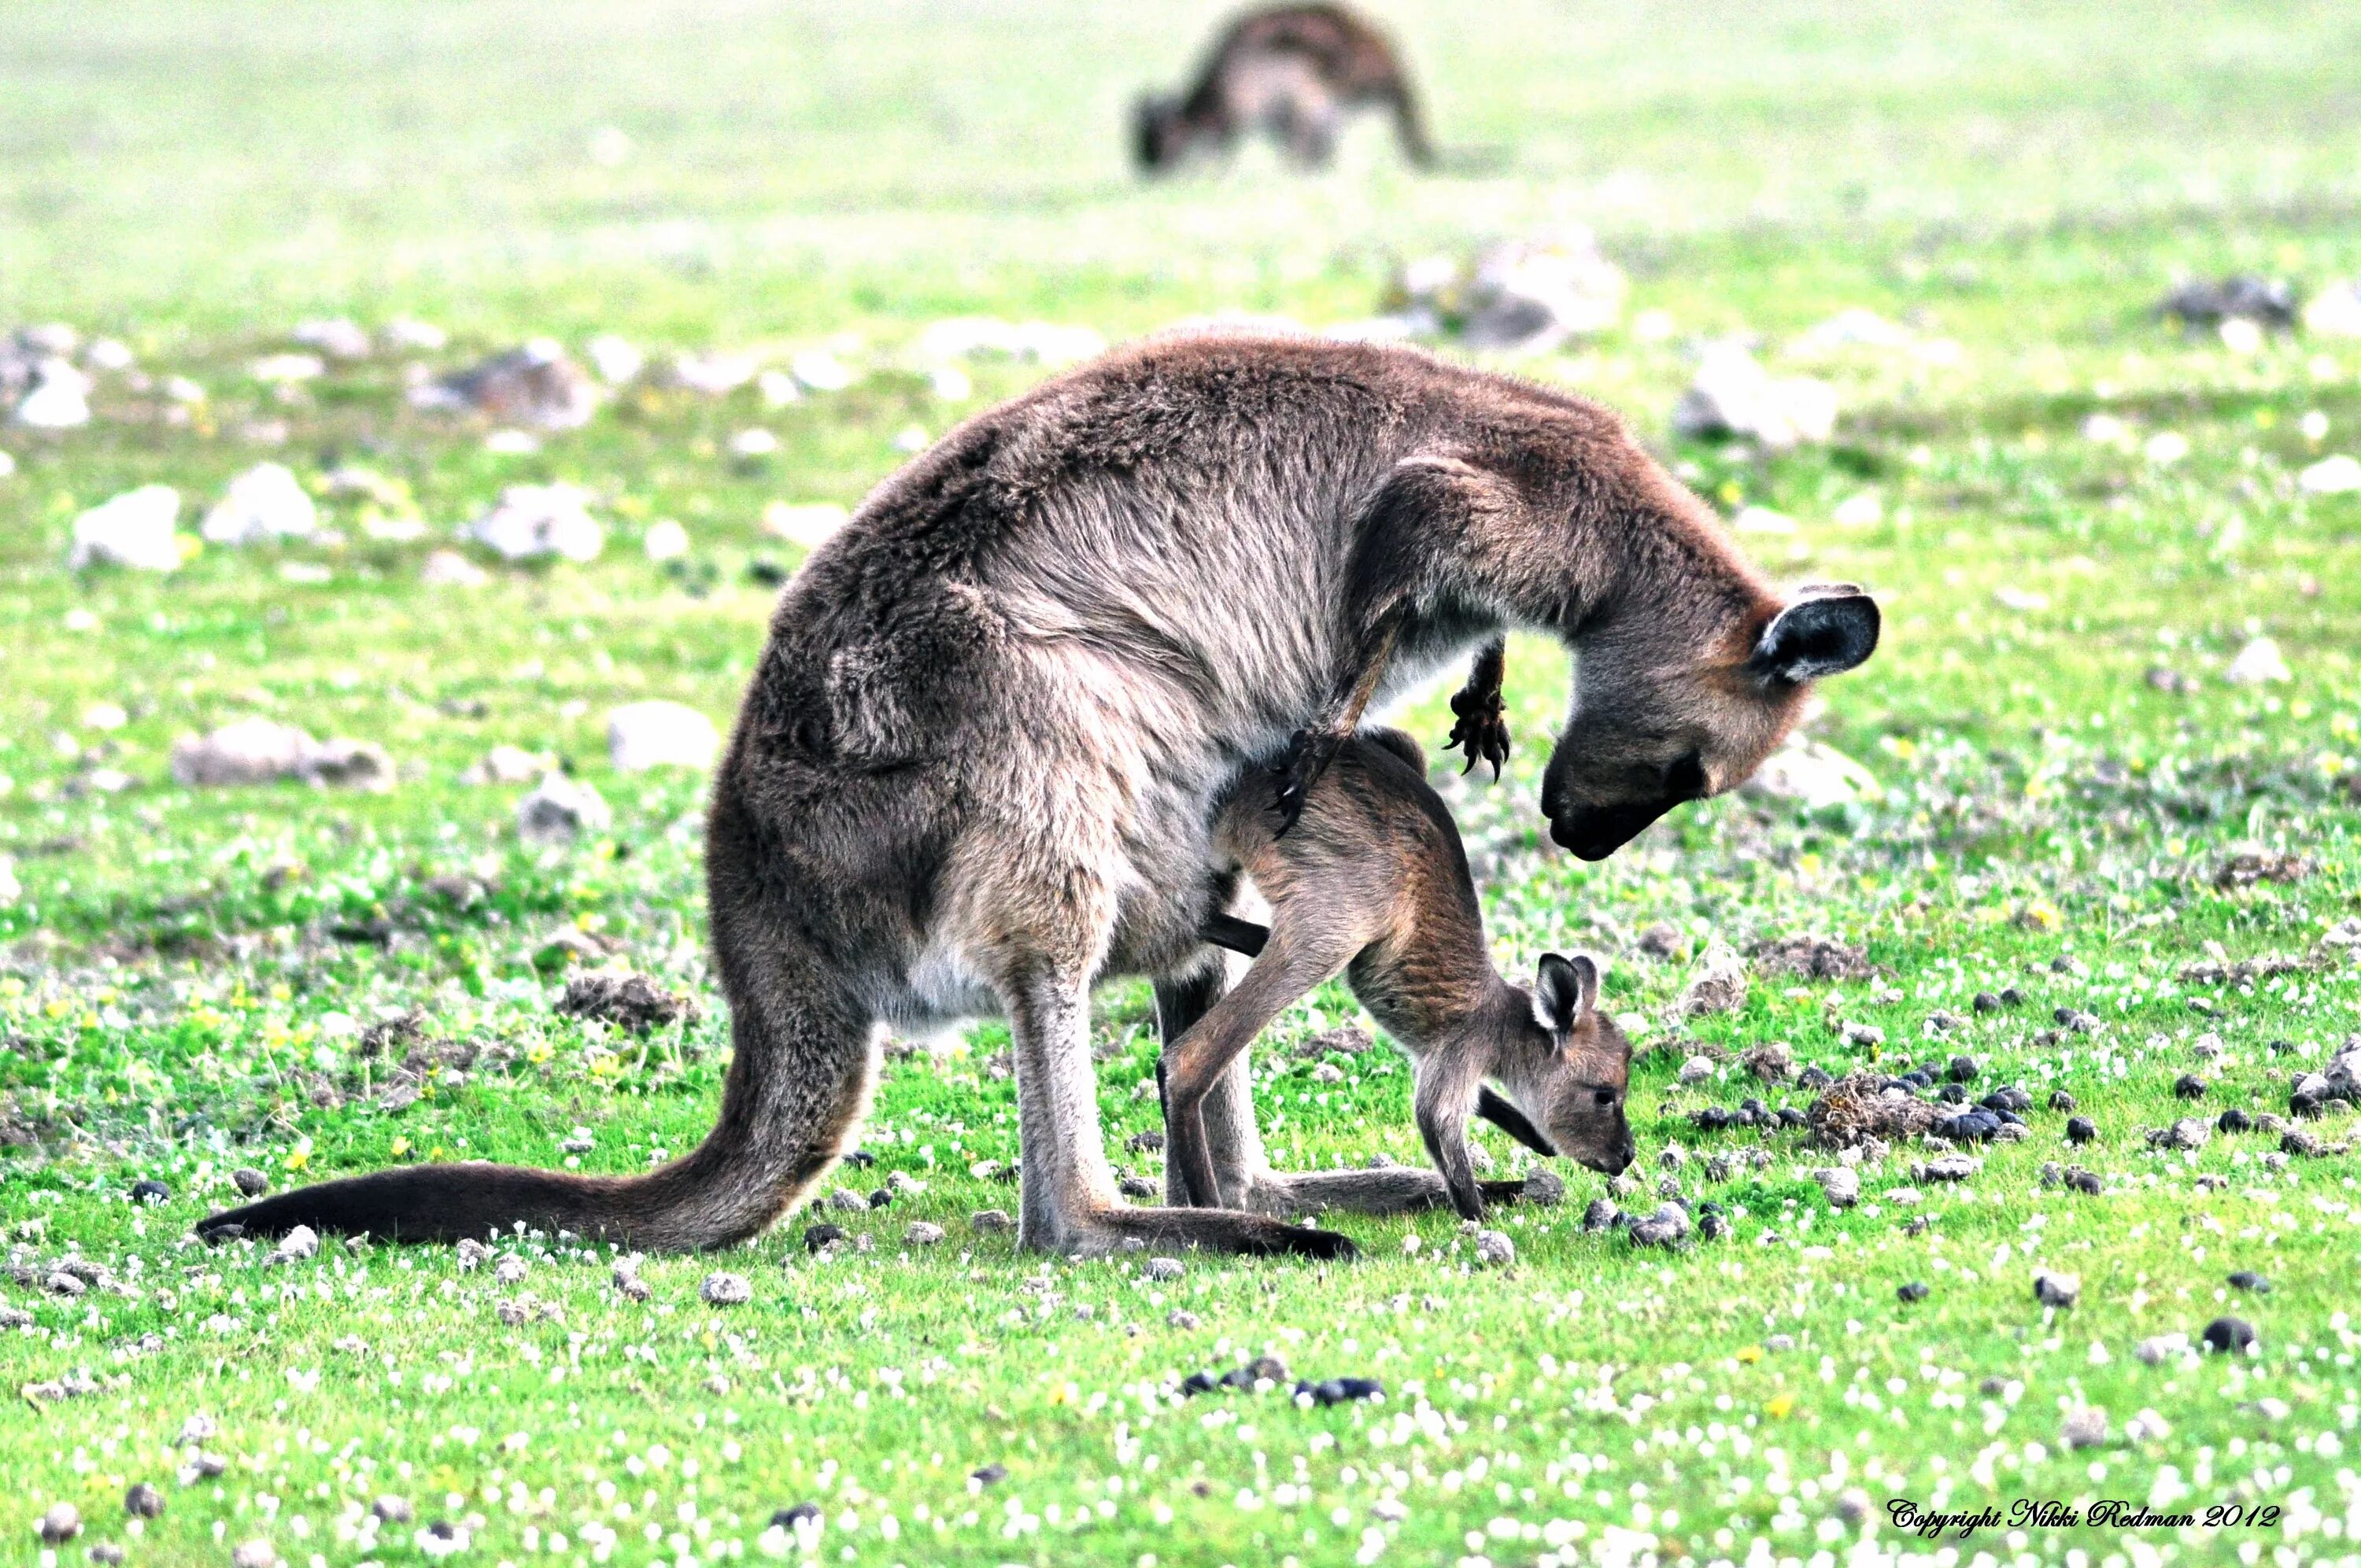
<point>632,1002</point>
<point>1858,1107</point>
<point>1811,958</point>
<point>2249,867</point>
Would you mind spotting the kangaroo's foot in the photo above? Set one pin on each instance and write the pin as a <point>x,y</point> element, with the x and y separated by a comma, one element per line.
<point>1308,756</point>
<point>1114,1229</point>
<point>1481,728</point>
<point>1387,1189</point>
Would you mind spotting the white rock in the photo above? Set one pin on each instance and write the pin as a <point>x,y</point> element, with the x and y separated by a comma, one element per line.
<point>2337,476</point>
<point>820,371</point>
<point>2147,1427</point>
<point>256,1553</point>
<point>537,522</point>
<point>266,502</point>
<point>720,1288</point>
<point>666,541</point>
<point>261,751</point>
<point>2259,661</point>
<point>1697,1069</point>
<point>2157,1349</point>
<point>714,375</point>
<point>754,442</point>
<point>134,529</point>
<point>109,354</point>
<point>509,765</point>
<point>2335,310</point>
<point>300,1242</point>
<point>811,524</point>
<point>1813,774</point>
<point>1762,520</point>
<point>1161,1270</point>
<point>2055,1289</point>
<point>59,399</point>
<point>1530,296</point>
<point>923,1233</point>
<point>615,359</point>
<point>282,368</point>
<point>449,569</point>
<point>559,809</point>
<point>2085,1427</point>
<point>642,735</point>
<point>1839,1184</point>
<point>1734,396</point>
<point>338,337</point>
<point>408,335</point>
<point>2166,447</point>
<point>1854,328</point>
<point>1493,1249</point>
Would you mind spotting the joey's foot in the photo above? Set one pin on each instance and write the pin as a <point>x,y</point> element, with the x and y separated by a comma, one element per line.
<point>1480,727</point>
<point>1307,755</point>
<point>1219,1230</point>
<point>1383,1190</point>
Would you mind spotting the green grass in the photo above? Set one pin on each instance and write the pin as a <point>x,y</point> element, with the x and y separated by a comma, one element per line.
<point>173,986</point>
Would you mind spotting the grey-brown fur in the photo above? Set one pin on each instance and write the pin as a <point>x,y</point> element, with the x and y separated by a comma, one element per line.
<point>977,767</point>
<point>1293,72</point>
<point>1372,883</point>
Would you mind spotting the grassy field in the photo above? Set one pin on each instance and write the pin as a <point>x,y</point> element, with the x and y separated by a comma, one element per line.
<point>2081,518</point>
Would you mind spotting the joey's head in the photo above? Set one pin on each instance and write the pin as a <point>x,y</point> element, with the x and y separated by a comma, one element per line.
<point>1566,1068</point>
<point>1159,133</point>
<point>1658,720</point>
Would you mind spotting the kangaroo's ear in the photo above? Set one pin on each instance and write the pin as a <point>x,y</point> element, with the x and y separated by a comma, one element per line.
<point>1826,631</point>
<point>1567,988</point>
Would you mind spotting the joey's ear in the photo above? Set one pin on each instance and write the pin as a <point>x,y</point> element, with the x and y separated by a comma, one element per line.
<point>1567,988</point>
<point>1826,631</point>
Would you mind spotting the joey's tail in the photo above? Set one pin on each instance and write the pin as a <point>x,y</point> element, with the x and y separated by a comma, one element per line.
<point>799,1082</point>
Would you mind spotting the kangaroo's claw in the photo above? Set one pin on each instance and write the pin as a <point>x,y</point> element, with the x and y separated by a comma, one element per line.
<point>1481,726</point>
<point>1307,755</point>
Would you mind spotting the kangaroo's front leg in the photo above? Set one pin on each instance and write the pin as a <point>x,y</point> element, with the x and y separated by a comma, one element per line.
<point>1480,721</point>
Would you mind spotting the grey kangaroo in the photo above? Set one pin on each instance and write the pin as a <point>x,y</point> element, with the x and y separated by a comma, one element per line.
<point>1372,883</point>
<point>976,766</point>
<point>1294,71</point>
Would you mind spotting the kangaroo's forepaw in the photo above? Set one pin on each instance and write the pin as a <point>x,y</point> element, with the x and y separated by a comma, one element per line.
<point>1481,728</point>
<point>1307,755</point>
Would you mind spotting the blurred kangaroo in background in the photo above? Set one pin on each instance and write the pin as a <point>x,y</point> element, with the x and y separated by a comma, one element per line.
<point>1294,71</point>
<point>977,765</point>
<point>1372,883</point>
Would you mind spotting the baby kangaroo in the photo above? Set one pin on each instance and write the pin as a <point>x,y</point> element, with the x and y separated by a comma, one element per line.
<point>1372,881</point>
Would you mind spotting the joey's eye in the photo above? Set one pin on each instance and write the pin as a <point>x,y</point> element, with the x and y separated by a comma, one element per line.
<point>1606,1097</point>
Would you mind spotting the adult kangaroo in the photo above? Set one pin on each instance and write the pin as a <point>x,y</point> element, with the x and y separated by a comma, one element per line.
<point>977,766</point>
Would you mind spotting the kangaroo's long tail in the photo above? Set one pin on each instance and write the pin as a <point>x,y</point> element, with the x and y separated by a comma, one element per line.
<point>799,1082</point>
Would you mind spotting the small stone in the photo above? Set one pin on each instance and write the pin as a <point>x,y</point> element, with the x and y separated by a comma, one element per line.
<point>1598,1216</point>
<point>923,1233</point>
<point>2056,1289</point>
<point>134,531</point>
<point>303,1242</point>
<point>2234,1121</point>
<point>471,1253</point>
<point>1720,985</point>
<point>560,809</point>
<point>795,1518</point>
<point>107,1554</point>
<point>60,1524</point>
<point>1493,1249</point>
<point>822,1235</point>
<point>1839,1184</point>
<point>1180,1318</point>
<point>2157,1349</point>
<point>1544,1188</point>
<point>625,1277</point>
<point>2060,1100</point>
<point>1962,1070</point>
<point>1697,1069</point>
<point>2189,1086</point>
<point>540,522</point>
<point>143,1501</point>
<point>1914,1291</point>
<point>150,1191</point>
<point>1161,1270</point>
<point>1667,1226</point>
<point>645,735</point>
<point>2082,1130</point>
<point>2084,1427</point>
<point>2226,1336</point>
<point>254,1554</point>
<point>1948,1168</point>
<point>1853,1505</point>
<point>988,1474</point>
<point>511,1270</point>
<point>991,1221</point>
<point>720,1288</point>
<point>1139,1187</point>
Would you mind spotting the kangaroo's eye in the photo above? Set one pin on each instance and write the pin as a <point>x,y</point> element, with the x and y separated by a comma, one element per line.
<point>1606,1097</point>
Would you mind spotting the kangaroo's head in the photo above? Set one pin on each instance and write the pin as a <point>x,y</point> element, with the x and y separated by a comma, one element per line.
<point>1565,1066</point>
<point>1658,720</point>
<point>1159,132</point>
